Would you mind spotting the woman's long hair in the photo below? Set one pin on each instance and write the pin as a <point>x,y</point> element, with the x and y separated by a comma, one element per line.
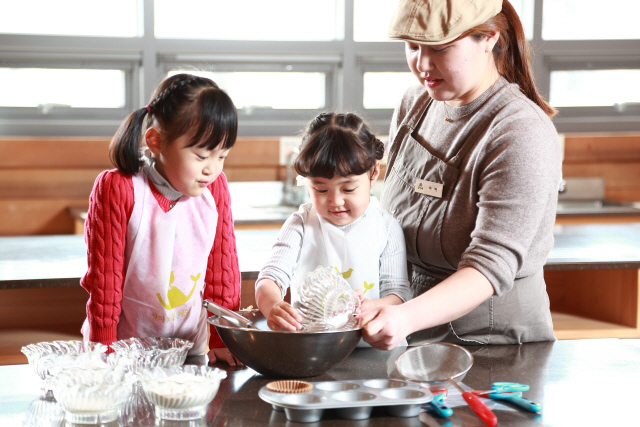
<point>511,53</point>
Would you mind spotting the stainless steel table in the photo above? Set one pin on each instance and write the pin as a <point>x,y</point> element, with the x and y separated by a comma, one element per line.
<point>50,261</point>
<point>579,383</point>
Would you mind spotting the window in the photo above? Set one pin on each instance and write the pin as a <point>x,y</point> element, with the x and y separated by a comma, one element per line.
<point>276,97</point>
<point>576,88</point>
<point>113,18</point>
<point>591,20</point>
<point>525,10</point>
<point>87,64</point>
<point>61,96</point>
<point>383,90</point>
<point>51,88</point>
<point>270,90</point>
<point>588,62</point>
<point>371,19</point>
<point>249,19</point>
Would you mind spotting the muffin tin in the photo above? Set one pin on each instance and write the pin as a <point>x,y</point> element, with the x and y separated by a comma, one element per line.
<point>353,400</point>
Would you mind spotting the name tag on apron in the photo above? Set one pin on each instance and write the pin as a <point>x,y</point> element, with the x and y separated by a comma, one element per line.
<point>429,188</point>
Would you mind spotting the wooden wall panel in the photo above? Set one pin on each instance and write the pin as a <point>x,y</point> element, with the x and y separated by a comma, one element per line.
<point>600,219</point>
<point>48,309</point>
<point>248,294</point>
<point>245,173</point>
<point>83,153</point>
<point>627,195</point>
<point>594,148</point>
<point>47,183</point>
<point>254,152</point>
<point>41,314</point>
<point>41,177</point>
<point>606,295</point>
<point>48,153</point>
<point>37,216</point>
<point>12,340</point>
<point>622,180</point>
<point>617,175</point>
<point>616,158</point>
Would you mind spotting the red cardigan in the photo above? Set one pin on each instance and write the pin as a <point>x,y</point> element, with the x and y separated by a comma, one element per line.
<point>110,207</point>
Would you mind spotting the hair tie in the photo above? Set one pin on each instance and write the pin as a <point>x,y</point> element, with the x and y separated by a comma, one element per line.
<point>148,108</point>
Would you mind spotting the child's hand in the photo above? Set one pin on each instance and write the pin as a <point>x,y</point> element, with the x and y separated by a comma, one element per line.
<point>223,355</point>
<point>283,316</point>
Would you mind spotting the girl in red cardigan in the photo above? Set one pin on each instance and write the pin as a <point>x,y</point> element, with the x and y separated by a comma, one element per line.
<point>159,230</point>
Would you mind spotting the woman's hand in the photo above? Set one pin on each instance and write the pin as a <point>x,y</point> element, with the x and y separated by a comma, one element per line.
<point>365,303</point>
<point>384,327</point>
<point>223,355</point>
<point>283,316</point>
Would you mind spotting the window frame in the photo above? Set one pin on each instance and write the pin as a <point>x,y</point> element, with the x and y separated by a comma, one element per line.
<point>56,52</point>
<point>146,59</point>
<point>589,55</point>
<point>266,56</point>
<point>555,55</point>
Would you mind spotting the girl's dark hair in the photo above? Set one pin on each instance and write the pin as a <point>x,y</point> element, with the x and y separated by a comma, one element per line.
<point>180,104</point>
<point>511,53</point>
<point>337,144</point>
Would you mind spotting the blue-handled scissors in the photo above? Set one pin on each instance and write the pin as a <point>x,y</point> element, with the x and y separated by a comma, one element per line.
<point>504,387</point>
<point>517,399</point>
<point>438,406</point>
<point>511,392</point>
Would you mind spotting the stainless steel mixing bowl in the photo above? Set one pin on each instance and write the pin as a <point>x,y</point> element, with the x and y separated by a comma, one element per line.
<point>285,354</point>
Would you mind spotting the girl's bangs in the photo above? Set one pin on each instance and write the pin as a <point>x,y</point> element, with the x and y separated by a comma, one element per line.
<point>342,157</point>
<point>217,123</point>
<point>356,164</point>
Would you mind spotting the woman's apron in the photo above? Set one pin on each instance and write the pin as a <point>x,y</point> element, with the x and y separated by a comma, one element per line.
<point>166,264</point>
<point>417,190</point>
<point>353,251</point>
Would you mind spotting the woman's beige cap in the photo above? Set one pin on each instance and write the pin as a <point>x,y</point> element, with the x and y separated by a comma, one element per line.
<point>439,21</point>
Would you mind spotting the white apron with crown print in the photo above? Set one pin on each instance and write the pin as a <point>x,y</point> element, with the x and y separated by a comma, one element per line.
<point>166,264</point>
<point>353,251</point>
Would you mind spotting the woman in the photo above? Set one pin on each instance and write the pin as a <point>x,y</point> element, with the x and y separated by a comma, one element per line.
<point>472,177</point>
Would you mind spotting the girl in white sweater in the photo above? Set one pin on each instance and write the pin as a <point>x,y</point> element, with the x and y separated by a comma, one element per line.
<point>340,159</point>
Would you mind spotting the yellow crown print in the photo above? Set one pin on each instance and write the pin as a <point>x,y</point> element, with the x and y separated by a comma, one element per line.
<point>175,296</point>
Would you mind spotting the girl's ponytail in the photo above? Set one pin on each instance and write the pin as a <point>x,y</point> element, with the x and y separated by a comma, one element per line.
<point>124,149</point>
<point>182,104</point>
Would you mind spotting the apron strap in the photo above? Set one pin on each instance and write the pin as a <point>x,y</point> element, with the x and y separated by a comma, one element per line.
<point>409,123</point>
<point>477,129</point>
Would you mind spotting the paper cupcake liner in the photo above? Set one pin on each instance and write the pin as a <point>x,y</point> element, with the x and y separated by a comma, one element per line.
<point>290,386</point>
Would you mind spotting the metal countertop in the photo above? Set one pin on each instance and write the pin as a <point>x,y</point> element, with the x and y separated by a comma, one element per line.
<point>50,261</point>
<point>566,377</point>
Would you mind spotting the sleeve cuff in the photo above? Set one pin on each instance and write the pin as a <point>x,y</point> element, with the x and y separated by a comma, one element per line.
<point>214,339</point>
<point>105,336</point>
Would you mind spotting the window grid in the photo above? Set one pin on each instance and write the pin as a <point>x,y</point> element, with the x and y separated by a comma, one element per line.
<point>146,59</point>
